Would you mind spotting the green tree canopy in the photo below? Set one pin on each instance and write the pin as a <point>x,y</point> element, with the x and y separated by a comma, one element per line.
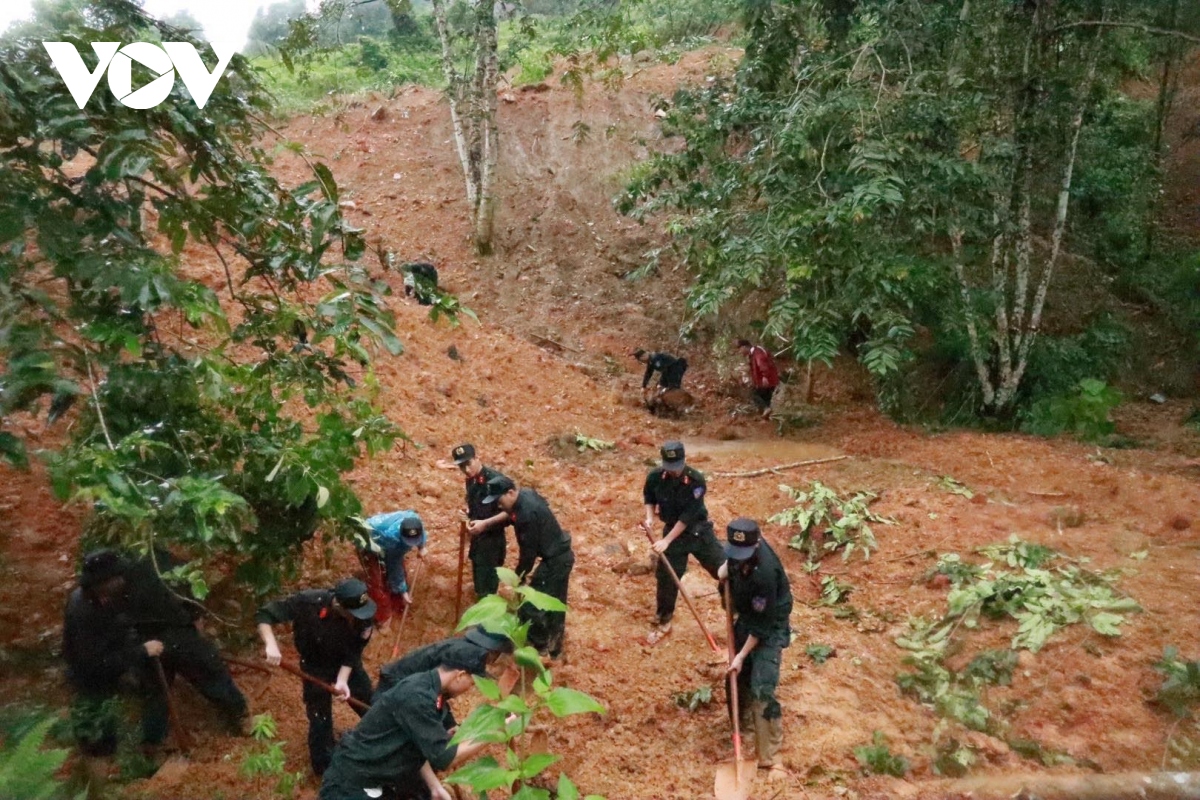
<point>214,325</point>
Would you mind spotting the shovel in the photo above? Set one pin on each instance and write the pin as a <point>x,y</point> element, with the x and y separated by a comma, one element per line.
<point>734,780</point>
<point>662,559</point>
<point>462,561</point>
<point>404,614</point>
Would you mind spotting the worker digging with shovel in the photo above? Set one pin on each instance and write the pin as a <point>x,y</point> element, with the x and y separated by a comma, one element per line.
<point>761,607</point>
<point>676,493</point>
<point>331,628</point>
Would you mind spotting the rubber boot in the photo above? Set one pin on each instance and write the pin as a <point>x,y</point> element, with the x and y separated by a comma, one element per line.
<point>769,738</point>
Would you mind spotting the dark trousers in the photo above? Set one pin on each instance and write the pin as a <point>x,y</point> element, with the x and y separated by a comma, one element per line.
<point>407,787</point>
<point>318,707</point>
<point>672,376</point>
<point>759,676</point>
<point>488,551</point>
<point>546,628</point>
<point>187,653</point>
<point>698,541</point>
<point>762,397</point>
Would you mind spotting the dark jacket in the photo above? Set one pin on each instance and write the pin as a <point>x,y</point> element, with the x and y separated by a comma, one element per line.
<point>403,730</point>
<point>762,597</point>
<point>456,652</point>
<point>538,533</point>
<point>323,637</point>
<point>100,644</point>
<point>663,363</point>
<point>677,498</point>
<point>476,492</point>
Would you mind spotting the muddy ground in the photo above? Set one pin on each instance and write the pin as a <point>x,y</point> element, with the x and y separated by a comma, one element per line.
<point>549,359</point>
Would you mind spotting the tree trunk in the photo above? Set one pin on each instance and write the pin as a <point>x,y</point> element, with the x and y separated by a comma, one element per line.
<point>488,70</point>
<point>454,92</point>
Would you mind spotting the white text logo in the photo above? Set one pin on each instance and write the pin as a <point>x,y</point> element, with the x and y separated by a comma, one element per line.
<point>162,60</point>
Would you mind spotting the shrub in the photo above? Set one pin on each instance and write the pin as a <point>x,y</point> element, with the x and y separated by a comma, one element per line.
<point>877,759</point>
<point>1084,413</point>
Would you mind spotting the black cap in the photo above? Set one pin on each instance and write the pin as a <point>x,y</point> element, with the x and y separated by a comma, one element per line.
<point>351,594</point>
<point>672,456</point>
<point>492,642</point>
<point>99,567</point>
<point>497,486</point>
<point>463,453</point>
<point>742,537</point>
<point>412,529</point>
<point>639,353</point>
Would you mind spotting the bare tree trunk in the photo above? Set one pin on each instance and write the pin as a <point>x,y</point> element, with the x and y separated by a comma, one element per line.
<point>454,83</point>
<point>978,354</point>
<point>1008,390</point>
<point>488,70</point>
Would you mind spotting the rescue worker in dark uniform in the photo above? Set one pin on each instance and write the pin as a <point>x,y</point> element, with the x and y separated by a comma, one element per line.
<point>670,369</point>
<point>121,606</point>
<point>475,652</point>
<point>486,522</point>
<point>539,536</point>
<point>400,743</point>
<point>101,649</point>
<point>762,605</point>
<point>331,627</point>
<point>676,493</point>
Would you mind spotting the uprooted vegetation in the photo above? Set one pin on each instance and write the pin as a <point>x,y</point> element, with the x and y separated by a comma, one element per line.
<point>1043,591</point>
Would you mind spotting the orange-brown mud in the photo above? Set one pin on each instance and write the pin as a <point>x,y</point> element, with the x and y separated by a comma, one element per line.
<point>557,275</point>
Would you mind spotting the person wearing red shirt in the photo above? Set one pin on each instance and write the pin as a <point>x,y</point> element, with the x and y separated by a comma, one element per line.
<point>763,374</point>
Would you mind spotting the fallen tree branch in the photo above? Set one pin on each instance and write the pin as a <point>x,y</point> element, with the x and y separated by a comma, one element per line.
<point>1117,786</point>
<point>754,473</point>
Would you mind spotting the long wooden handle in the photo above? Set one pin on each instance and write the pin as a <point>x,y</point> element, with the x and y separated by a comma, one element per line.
<point>181,734</point>
<point>462,558</point>
<point>662,558</point>
<point>733,690</point>
<point>404,614</point>
<point>292,668</point>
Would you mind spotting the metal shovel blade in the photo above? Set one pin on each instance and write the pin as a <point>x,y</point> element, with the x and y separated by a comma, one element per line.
<point>733,783</point>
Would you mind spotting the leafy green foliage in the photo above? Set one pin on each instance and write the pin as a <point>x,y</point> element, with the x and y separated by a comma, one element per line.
<point>270,761</point>
<point>222,424</point>
<point>834,592</point>
<point>1085,413</point>
<point>506,720</point>
<point>1181,687</point>
<point>1021,580</point>
<point>896,176</point>
<point>28,771</point>
<point>584,443</point>
<point>877,759</point>
<point>819,653</point>
<point>842,524</point>
<point>1025,581</point>
<point>694,699</point>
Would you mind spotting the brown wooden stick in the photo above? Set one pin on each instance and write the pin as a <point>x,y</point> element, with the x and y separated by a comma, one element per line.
<point>181,735</point>
<point>754,473</point>
<point>733,690</point>
<point>292,668</point>
<point>404,614</point>
<point>462,560</point>
<point>355,702</point>
<point>662,559</point>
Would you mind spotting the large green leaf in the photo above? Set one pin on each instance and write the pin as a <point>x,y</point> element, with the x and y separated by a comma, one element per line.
<point>564,702</point>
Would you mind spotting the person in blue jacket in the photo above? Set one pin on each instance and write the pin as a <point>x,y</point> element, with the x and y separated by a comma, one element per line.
<point>387,540</point>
